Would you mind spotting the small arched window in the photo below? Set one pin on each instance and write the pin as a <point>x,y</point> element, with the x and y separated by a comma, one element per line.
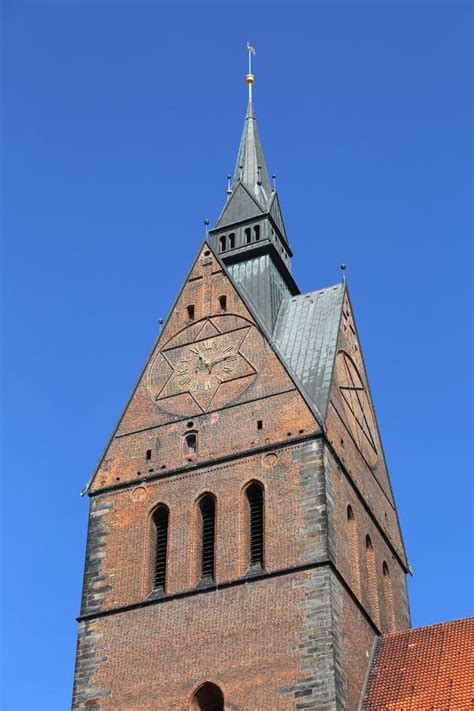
<point>248,235</point>
<point>223,303</point>
<point>207,512</point>
<point>232,240</point>
<point>190,446</point>
<point>160,524</point>
<point>254,496</point>
<point>190,310</point>
<point>222,243</point>
<point>256,231</point>
<point>207,698</point>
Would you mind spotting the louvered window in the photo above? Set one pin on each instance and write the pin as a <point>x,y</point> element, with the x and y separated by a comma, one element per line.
<point>160,519</point>
<point>207,508</point>
<point>255,506</point>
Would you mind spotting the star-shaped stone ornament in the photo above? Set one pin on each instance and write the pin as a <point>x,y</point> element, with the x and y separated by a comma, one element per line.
<point>357,406</point>
<point>212,362</point>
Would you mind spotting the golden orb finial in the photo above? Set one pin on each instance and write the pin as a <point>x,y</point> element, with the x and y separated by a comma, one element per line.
<point>250,79</point>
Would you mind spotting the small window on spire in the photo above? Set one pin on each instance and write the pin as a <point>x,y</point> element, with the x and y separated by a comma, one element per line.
<point>222,243</point>
<point>232,240</point>
<point>248,235</point>
<point>190,310</point>
<point>256,230</point>
<point>223,303</point>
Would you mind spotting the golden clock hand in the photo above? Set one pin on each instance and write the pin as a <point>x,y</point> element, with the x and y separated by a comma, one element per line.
<point>221,358</point>
<point>201,357</point>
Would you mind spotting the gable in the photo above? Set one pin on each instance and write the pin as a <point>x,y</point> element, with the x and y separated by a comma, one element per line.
<point>351,399</point>
<point>211,360</point>
<point>275,212</point>
<point>240,206</point>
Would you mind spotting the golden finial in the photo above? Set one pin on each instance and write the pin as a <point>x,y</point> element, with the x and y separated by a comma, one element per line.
<point>250,78</point>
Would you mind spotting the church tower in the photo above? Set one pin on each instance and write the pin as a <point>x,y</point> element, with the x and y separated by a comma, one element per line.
<point>243,549</point>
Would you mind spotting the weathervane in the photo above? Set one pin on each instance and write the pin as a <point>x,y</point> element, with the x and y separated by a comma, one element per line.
<point>250,79</point>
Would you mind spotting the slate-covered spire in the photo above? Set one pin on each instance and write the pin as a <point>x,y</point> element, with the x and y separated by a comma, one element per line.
<point>250,235</point>
<point>250,166</point>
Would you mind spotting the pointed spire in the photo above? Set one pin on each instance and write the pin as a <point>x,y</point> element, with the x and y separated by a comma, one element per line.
<point>250,166</point>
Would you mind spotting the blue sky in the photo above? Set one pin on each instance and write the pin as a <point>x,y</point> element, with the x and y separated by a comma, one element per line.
<point>121,121</point>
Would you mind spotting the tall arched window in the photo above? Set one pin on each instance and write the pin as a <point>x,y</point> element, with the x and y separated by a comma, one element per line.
<point>207,511</point>
<point>207,698</point>
<point>353,547</point>
<point>222,243</point>
<point>388,598</point>
<point>232,240</point>
<point>248,235</point>
<point>372,581</point>
<point>256,231</point>
<point>254,496</point>
<point>160,523</point>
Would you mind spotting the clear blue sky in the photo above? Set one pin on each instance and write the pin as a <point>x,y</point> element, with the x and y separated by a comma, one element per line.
<point>121,121</point>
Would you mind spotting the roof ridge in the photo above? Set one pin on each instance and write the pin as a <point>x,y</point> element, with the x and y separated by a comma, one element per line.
<point>399,633</point>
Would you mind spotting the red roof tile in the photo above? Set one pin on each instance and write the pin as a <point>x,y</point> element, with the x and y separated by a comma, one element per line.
<point>423,669</point>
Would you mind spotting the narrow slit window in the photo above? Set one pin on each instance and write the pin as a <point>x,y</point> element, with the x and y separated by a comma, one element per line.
<point>372,580</point>
<point>190,310</point>
<point>232,240</point>
<point>148,454</point>
<point>259,424</point>
<point>256,231</point>
<point>222,243</point>
<point>388,595</point>
<point>248,235</point>
<point>191,443</point>
<point>207,509</point>
<point>352,539</point>
<point>254,494</point>
<point>160,521</point>
<point>223,303</point>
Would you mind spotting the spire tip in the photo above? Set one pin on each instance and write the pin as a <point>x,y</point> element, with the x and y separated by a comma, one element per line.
<point>250,78</point>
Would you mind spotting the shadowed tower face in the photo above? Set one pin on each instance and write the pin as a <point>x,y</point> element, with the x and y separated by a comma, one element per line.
<point>243,549</point>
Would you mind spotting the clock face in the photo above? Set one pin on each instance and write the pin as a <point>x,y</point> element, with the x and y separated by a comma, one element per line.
<point>203,365</point>
<point>357,406</point>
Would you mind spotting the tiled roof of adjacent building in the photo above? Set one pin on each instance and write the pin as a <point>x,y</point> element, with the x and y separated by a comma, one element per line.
<point>423,669</point>
<point>306,335</point>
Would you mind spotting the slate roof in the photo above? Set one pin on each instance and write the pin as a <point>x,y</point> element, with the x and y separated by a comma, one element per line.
<point>306,335</point>
<point>426,668</point>
<point>249,158</point>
